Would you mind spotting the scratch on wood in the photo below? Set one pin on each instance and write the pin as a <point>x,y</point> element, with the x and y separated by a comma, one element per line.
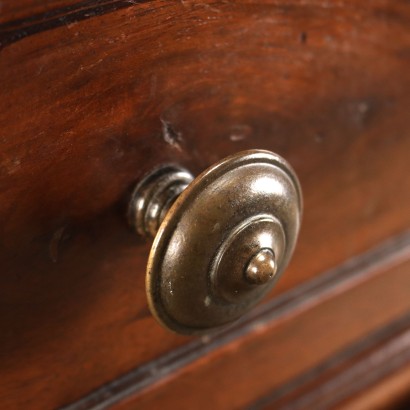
<point>171,136</point>
<point>240,132</point>
<point>53,248</point>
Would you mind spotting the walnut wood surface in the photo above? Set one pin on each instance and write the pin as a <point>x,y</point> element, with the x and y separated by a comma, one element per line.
<point>391,392</point>
<point>314,361</point>
<point>267,316</point>
<point>94,94</point>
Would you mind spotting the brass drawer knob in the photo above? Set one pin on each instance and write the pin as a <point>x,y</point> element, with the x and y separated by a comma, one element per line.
<point>221,240</point>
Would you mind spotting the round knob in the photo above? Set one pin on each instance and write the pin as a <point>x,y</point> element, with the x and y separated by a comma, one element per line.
<point>222,240</point>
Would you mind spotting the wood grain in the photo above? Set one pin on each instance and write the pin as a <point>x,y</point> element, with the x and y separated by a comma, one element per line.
<point>313,361</point>
<point>355,371</point>
<point>88,106</point>
<point>270,315</point>
<point>52,18</point>
<point>392,392</point>
<point>31,12</point>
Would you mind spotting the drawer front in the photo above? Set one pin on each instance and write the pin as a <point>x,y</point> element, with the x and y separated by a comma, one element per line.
<point>95,94</point>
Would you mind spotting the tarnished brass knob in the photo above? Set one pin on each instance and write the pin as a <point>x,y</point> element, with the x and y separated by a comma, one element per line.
<point>222,240</point>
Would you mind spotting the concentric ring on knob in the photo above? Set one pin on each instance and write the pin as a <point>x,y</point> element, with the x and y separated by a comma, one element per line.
<point>241,249</point>
<point>245,204</point>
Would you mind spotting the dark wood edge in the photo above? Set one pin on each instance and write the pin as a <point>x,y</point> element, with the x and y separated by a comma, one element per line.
<point>16,30</point>
<point>347,373</point>
<point>284,307</point>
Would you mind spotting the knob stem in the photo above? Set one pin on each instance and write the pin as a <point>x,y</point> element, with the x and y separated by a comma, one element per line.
<point>154,196</point>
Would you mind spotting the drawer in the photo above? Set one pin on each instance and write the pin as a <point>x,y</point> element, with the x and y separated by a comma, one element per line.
<point>95,94</point>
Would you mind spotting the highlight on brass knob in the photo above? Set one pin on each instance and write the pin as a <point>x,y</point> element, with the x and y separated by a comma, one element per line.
<point>221,240</point>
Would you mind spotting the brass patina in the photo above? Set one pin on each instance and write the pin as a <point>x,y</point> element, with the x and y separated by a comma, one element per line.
<point>221,241</point>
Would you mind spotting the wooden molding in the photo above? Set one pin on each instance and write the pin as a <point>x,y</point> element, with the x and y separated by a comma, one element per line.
<point>285,307</point>
<point>347,373</point>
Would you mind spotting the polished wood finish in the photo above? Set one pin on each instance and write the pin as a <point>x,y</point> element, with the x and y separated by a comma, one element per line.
<point>311,362</point>
<point>268,316</point>
<point>391,392</point>
<point>95,93</point>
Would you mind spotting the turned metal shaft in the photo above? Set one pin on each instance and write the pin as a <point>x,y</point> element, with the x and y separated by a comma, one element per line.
<point>153,197</point>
